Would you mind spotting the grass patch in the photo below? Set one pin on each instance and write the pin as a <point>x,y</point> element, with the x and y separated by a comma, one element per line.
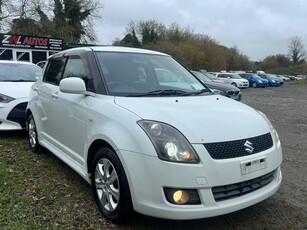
<point>38,191</point>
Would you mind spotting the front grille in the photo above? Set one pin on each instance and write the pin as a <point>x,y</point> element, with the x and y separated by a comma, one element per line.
<point>232,149</point>
<point>18,114</point>
<point>225,192</point>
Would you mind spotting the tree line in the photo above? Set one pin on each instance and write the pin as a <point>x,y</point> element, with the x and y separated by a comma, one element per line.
<point>199,51</point>
<point>72,21</point>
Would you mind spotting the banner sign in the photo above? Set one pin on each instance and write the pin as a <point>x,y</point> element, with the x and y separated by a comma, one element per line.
<point>30,42</point>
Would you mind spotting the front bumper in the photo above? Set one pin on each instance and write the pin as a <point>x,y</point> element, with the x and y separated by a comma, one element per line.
<point>12,115</point>
<point>148,176</point>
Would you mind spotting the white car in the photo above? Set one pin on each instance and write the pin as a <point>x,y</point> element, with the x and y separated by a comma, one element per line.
<point>150,137</point>
<point>16,79</point>
<point>233,79</point>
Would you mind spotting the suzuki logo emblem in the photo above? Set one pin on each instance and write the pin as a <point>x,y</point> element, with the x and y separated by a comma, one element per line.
<point>249,146</point>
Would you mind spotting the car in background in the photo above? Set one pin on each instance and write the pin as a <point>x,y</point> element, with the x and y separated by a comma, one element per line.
<point>291,77</point>
<point>254,80</point>
<point>222,89</point>
<point>212,77</point>
<point>283,77</point>
<point>272,81</point>
<point>233,79</point>
<point>16,79</point>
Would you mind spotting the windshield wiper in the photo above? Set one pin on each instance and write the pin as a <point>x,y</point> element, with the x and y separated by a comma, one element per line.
<point>163,92</point>
<point>198,92</point>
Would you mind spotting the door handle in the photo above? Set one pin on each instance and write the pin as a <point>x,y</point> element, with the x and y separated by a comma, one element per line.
<point>55,95</point>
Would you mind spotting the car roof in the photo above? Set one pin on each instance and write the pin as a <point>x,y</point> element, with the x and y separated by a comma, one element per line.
<point>116,49</point>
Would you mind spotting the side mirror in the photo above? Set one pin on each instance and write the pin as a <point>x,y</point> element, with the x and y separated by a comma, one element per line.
<point>73,85</point>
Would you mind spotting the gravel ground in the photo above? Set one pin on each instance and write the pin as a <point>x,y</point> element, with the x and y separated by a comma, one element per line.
<point>286,107</point>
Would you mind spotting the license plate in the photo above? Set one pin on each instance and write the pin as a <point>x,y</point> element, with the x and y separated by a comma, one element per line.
<point>254,165</point>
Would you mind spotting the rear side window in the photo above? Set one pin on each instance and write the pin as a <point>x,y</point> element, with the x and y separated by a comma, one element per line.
<point>54,71</point>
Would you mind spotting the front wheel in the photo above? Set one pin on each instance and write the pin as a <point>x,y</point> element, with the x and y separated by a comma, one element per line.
<point>234,84</point>
<point>110,186</point>
<point>254,85</point>
<point>32,135</point>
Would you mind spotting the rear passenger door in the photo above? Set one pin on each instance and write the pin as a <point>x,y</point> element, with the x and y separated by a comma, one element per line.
<point>47,93</point>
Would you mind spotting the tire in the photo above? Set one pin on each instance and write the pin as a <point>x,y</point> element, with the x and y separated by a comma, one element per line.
<point>32,135</point>
<point>234,84</point>
<point>254,85</point>
<point>110,187</point>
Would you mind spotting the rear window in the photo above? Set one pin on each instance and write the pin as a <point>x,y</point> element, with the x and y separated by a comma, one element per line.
<point>19,72</point>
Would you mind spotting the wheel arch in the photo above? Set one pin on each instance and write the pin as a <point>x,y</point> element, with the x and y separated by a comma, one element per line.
<point>95,145</point>
<point>28,113</point>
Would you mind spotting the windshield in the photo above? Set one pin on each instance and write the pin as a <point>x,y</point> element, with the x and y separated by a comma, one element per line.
<point>201,76</point>
<point>18,72</point>
<point>256,76</point>
<point>135,74</point>
<point>235,76</point>
<point>253,75</point>
<point>273,77</point>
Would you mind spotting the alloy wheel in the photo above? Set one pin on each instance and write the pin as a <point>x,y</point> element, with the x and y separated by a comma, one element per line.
<point>107,184</point>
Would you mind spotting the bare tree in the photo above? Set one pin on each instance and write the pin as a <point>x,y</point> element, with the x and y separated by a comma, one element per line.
<point>296,50</point>
<point>8,10</point>
<point>72,20</point>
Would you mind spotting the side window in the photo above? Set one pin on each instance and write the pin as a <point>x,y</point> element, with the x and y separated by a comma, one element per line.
<point>76,67</point>
<point>54,71</point>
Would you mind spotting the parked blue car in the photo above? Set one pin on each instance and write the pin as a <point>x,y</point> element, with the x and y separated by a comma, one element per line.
<point>271,81</point>
<point>254,80</point>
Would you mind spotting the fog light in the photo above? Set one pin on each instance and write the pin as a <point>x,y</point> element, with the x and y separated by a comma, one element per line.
<point>181,197</point>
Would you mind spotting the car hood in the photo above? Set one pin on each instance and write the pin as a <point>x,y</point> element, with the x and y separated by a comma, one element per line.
<point>221,86</point>
<point>16,89</point>
<point>201,119</point>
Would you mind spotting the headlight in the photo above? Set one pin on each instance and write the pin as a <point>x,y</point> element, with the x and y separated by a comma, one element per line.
<point>169,143</point>
<point>273,130</point>
<point>216,91</point>
<point>259,81</point>
<point>273,81</point>
<point>5,98</point>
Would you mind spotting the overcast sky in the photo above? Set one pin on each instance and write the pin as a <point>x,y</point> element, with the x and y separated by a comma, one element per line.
<point>257,27</point>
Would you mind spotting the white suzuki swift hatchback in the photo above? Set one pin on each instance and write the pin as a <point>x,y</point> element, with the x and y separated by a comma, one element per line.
<point>150,137</point>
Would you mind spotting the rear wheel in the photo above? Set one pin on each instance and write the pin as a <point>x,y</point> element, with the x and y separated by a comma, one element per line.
<point>32,135</point>
<point>110,186</point>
